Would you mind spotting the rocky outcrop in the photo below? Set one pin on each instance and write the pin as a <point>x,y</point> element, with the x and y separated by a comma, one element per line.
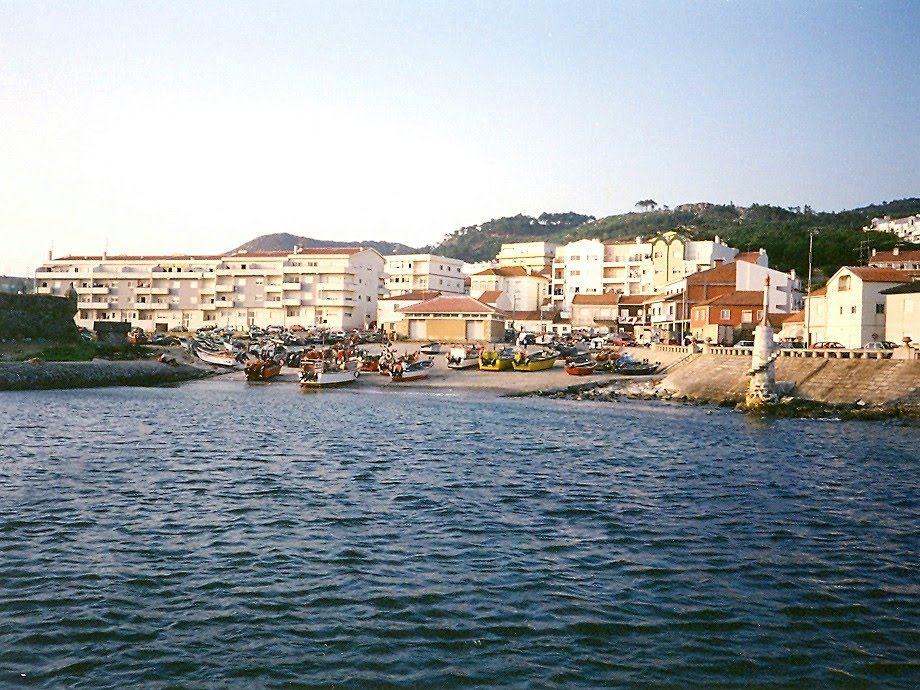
<point>39,375</point>
<point>37,316</point>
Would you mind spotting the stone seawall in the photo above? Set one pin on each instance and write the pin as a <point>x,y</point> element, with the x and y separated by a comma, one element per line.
<point>49,375</point>
<point>721,378</point>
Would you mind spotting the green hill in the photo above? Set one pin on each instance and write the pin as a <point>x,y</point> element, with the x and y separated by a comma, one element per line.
<point>783,232</point>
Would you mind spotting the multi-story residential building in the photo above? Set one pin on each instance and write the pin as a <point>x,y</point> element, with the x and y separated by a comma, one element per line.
<point>533,256</point>
<point>334,287</point>
<point>523,289</point>
<point>630,268</point>
<point>414,272</point>
<point>906,228</point>
<point>854,305</point>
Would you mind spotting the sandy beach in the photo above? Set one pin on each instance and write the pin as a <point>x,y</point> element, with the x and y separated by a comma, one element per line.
<point>53,375</point>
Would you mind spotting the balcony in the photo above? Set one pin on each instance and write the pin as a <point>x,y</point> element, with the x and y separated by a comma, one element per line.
<point>92,290</point>
<point>223,303</point>
<point>156,290</point>
<point>224,288</point>
<point>274,288</point>
<point>94,305</point>
<point>287,285</point>
<point>275,304</point>
<point>291,301</point>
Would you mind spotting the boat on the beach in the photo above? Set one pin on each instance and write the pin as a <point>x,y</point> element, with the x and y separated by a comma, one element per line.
<point>262,369</point>
<point>463,357</point>
<point>222,358</point>
<point>321,373</point>
<point>430,348</point>
<point>580,366</point>
<point>496,360</point>
<point>538,361</point>
<point>402,372</point>
<point>628,366</point>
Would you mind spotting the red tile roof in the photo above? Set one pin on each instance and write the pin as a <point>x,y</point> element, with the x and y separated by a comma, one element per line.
<point>450,305</point>
<point>738,298</point>
<point>908,255</point>
<point>871,274</point>
<point>820,292</point>
<point>490,296</point>
<point>750,257</point>
<point>720,275</point>
<point>634,299</point>
<point>505,271</point>
<point>607,298</point>
<point>794,317</point>
<point>413,296</point>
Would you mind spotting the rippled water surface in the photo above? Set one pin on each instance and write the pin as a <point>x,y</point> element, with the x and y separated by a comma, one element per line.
<point>219,535</point>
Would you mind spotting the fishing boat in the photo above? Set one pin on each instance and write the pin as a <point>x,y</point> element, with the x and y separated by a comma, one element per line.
<point>496,360</point>
<point>262,369</point>
<point>222,358</point>
<point>402,372</point>
<point>370,362</point>
<point>430,348</point>
<point>537,361</point>
<point>321,373</point>
<point>580,366</point>
<point>463,357</point>
<point>628,366</point>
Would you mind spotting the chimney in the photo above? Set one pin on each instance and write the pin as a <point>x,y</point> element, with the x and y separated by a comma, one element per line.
<point>873,251</point>
<point>716,240</point>
<point>896,251</point>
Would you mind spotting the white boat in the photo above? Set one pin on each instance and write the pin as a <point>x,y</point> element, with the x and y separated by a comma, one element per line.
<point>401,372</point>
<point>319,373</point>
<point>463,357</point>
<point>223,358</point>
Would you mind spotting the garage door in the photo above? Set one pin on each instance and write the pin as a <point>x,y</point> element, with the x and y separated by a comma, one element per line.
<point>472,333</point>
<point>416,329</point>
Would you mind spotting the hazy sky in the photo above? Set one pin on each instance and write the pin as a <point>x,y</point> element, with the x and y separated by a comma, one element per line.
<point>192,127</point>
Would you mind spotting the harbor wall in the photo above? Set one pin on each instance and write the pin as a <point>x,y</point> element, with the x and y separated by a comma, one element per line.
<point>37,316</point>
<point>723,378</point>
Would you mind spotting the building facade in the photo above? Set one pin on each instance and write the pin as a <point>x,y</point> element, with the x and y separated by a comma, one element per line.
<point>333,287</point>
<point>906,228</point>
<point>414,272</point>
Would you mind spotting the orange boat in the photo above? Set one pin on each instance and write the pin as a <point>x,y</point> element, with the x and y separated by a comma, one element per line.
<point>582,366</point>
<point>262,369</point>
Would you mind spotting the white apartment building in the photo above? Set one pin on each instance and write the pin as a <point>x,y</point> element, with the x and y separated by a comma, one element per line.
<point>631,268</point>
<point>851,308</point>
<point>523,289</point>
<point>333,287</point>
<point>419,272</point>
<point>906,228</point>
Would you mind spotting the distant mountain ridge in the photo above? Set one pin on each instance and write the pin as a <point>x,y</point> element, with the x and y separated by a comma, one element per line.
<point>284,241</point>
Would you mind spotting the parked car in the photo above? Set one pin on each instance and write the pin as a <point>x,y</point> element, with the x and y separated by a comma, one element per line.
<point>880,345</point>
<point>792,345</point>
<point>830,345</point>
<point>744,344</point>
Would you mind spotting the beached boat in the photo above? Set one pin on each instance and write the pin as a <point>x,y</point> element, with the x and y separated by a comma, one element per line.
<point>222,358</point>
<point>320,373</point>
<point>262,369</point>
<point>537,361</point>
<point>402,372</point>
<point>496,360</point>
<point>463,357</point>
<point>580,366</point>
<point>628,366</point>
<point>430,348</point>
<point>370,362</point>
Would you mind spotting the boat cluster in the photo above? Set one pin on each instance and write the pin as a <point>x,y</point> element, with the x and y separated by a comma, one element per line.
<point>342,360</point>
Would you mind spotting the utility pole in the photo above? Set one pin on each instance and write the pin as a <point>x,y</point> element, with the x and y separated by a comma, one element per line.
<point>811,237</point>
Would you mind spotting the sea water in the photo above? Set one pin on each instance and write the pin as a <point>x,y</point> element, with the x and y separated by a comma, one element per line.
<point>220,534</point>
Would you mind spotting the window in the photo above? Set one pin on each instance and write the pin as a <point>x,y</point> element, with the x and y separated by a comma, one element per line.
<point>725,314</point>
<point>747,316</point>
<point>879,308</point>
<point>853,309</point>
<point>843,283</point>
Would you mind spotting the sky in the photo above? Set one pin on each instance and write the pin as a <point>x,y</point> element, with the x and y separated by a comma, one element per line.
<point>157,127</point>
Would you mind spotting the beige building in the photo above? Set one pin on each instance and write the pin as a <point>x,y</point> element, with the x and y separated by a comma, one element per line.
<point>414,272</point>
<point>452,319</point>
<point>533,256</point>
<point>333,287</point>
<point>596,312</point>
<point>388,308</point>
